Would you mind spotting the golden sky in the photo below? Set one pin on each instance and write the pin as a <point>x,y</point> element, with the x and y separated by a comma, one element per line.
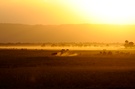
<point>67,11</point>
<point>54,12</point>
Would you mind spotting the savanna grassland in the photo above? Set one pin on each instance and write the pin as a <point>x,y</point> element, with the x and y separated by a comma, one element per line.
<point>90,69</point>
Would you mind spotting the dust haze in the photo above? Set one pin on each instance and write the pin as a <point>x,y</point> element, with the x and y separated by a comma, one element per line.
<point>67,44</point>
<point>66,57</point>
<point>98,33</point>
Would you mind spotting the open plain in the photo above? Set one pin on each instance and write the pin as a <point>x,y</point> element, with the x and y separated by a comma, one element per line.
<point>90,69</point>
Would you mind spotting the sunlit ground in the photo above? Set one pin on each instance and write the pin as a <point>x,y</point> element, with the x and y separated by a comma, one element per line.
<point>89,69</point>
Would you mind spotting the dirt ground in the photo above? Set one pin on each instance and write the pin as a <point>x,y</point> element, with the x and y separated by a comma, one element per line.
<point>38,69</point>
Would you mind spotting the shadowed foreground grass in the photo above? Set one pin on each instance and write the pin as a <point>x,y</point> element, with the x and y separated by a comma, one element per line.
<point>32,69</point>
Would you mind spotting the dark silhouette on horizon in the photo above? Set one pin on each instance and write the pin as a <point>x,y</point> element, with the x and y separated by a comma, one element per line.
<point>128,44</point>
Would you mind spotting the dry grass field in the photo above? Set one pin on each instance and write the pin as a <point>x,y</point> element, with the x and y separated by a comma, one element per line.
<point>38,69</point>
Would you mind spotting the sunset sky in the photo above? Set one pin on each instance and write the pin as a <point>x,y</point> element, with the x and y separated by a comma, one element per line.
<point>67,11</point>
<point>55,12</point>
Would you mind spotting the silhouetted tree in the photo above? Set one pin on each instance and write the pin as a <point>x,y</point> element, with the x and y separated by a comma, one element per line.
<point>128,44</point>
<point>126,41</point>
<point>131,44</point>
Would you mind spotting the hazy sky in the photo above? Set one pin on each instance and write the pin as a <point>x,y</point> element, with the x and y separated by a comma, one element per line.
<point>67,11</point>
<point>71,12</point>
<point>37,12</point>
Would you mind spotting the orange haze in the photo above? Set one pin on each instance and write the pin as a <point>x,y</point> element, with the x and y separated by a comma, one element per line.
<point>119,14</point>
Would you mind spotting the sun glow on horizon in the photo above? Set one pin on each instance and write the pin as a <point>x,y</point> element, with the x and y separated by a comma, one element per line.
<point>104,11</point>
